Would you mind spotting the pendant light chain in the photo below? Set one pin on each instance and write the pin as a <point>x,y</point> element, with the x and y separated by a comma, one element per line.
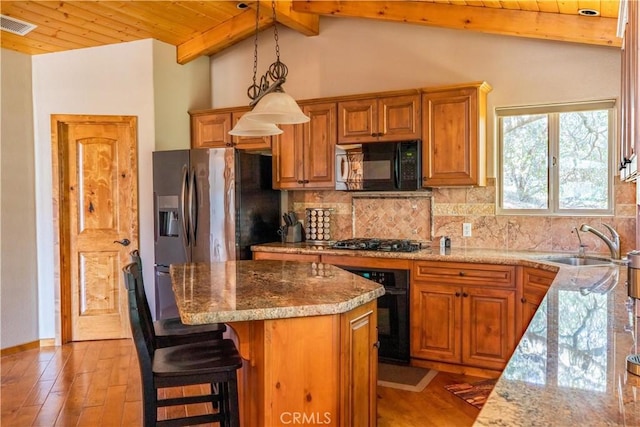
<point>275,31</point>
<point>254,90</point>
<point>276,74</point>
<point>272,105</point>
<point>277,71</point>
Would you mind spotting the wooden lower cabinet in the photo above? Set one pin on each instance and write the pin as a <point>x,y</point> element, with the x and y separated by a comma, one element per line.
<point>321,369</point>
<point>535,284</point>
<point>471,325</point>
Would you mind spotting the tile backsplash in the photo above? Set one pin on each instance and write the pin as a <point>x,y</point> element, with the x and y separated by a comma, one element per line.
<point>417,216</point>
<point>390,217</point>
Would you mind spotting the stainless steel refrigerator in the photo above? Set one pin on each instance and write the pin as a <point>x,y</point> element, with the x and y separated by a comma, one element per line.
<point>209,205</point>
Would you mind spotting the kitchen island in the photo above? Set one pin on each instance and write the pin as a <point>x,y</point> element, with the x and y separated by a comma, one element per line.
<point>568,367</point>
<point>306,332</point>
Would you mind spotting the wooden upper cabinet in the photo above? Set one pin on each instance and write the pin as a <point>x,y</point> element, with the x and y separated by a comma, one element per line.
<point>210,130</point>
<point>454,136</point>
<point>248,142</point>
<point>319,139</point>
<point>630,95</point>
<point>304,155</point>
<point>392,118</point>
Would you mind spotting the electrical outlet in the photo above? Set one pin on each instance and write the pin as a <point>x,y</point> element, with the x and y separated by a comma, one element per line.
<point>466,229</point>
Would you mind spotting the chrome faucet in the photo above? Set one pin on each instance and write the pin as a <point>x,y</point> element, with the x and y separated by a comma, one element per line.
<point>581,247</point>
<point>613,243</point>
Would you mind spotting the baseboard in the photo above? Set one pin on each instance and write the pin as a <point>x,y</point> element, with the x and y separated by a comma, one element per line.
<point>456,369</point>
<point>49,342</point>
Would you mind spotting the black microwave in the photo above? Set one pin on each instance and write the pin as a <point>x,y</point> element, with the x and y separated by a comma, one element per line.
<point>379,166</point>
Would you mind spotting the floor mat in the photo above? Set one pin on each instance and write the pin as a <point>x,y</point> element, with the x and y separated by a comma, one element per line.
<point>475,394</point>
<point>404,377</point>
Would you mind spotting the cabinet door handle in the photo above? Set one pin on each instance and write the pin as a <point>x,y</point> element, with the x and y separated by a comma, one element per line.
<point>464,294</point>
<point>461,273</point>
<point>523,300</point>
<point>376,344</point>
<point>457,294</point>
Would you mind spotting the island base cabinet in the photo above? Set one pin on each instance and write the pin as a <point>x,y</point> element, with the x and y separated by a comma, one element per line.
<point>319,370</point>
<point>359,366</point>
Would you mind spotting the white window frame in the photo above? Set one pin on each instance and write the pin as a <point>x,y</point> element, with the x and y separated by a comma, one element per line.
<point>552,111</point>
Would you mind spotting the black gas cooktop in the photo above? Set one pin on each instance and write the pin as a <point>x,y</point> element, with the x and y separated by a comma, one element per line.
<point>388,245</point>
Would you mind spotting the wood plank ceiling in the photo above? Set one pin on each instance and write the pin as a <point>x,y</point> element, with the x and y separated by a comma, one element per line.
<point>200,28</point>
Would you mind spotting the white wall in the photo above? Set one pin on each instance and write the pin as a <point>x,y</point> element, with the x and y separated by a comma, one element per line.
<point>177,90</point>
<point>353,56</point>
<point>111,80</point>
<point>18,278</point>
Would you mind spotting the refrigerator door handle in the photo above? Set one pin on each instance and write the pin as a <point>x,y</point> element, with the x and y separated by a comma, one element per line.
<point>193,207</point>
<point>183,207</point>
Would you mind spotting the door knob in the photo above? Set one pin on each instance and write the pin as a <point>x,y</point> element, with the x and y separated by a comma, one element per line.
<point>123,242</point>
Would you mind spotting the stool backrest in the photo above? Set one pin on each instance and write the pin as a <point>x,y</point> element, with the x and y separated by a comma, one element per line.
<point>135,257</point>
<point>143,303</point>
<point>139,314</point>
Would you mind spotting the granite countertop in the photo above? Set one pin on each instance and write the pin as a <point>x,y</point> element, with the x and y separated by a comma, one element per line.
<point>256,290</point>
<point>569,367</point>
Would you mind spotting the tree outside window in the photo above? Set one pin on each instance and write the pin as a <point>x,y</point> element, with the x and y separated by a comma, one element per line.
<point>557,159</point>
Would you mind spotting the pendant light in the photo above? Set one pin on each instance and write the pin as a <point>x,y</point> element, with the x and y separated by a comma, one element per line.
<point>247,127</point>
<point>272,105</point>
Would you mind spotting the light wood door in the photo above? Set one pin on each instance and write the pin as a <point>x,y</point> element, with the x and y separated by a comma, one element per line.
<point>435,322</point>
<point>96,165</point>
<point>488,327</point>
<point>319,139</point>
<point>399,118</point>
<point>211,130</point>
<point>360,366</point>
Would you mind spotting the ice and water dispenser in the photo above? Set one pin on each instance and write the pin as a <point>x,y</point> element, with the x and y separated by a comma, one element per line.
<point>168,217</point>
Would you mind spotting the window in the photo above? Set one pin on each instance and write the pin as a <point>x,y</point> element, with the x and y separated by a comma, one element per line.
<point>557,159</point>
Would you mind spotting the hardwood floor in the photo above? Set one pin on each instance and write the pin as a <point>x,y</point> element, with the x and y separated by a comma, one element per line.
<point>97,383</point>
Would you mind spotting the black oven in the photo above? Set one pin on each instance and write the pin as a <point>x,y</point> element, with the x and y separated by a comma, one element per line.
<point>379,166</point>
<point>393,312</point>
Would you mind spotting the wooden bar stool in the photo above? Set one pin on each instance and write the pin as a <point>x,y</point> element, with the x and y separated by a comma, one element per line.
<point>212,362</point>
<point>172,331</point>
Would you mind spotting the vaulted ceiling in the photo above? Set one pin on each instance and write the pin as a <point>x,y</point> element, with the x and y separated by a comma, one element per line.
<point>200,28</point>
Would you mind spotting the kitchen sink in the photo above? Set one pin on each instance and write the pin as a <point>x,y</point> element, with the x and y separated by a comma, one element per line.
<point>576,260</point>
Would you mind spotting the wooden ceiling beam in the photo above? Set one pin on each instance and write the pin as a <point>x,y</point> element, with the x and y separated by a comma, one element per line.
<point>539,25</point>
<point>307,24</point>
<point>222,36</point>
<point>242,26</point>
